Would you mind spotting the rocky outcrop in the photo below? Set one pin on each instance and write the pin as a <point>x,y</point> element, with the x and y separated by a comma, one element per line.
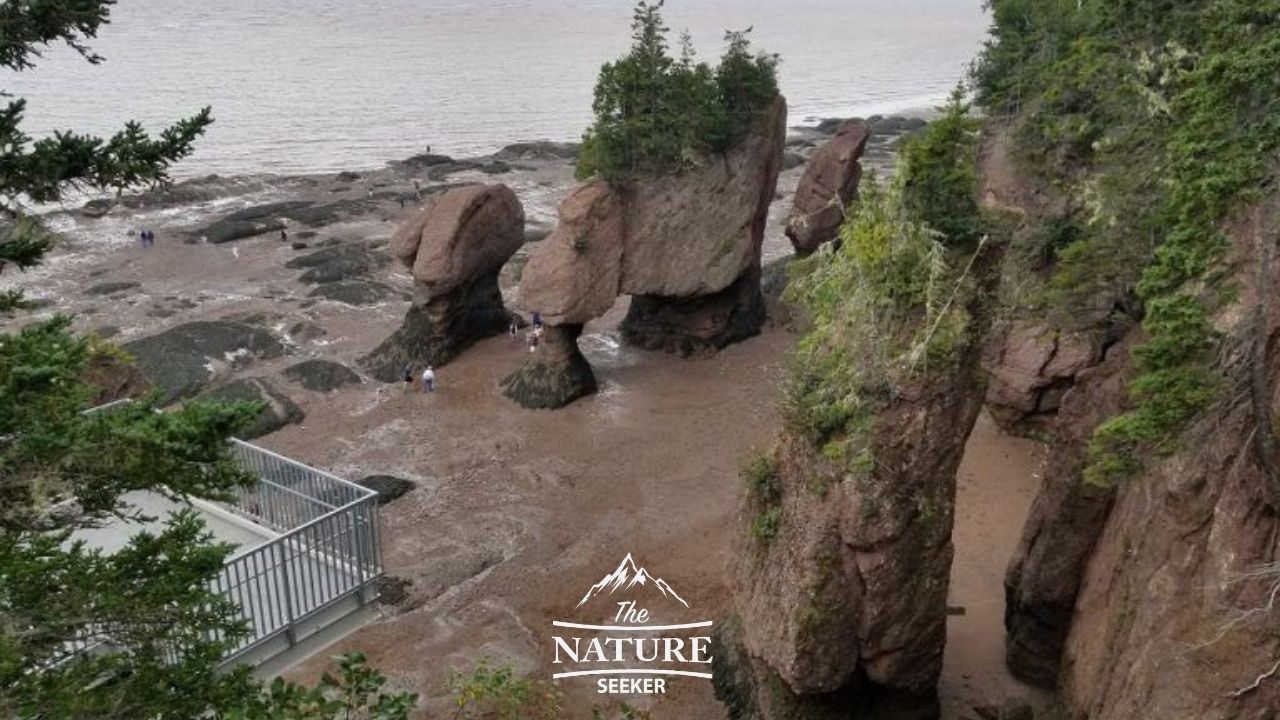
<point>338,263</point>
<point>1066,519</point>
<point>555,375</point>
<point>388,487</point>
<point>354,291</point>
<point>321,375</point>
<point>573,276</point>
<point>698,236</point>
<point>182,360</point>
<point>456,246</point>
<point>699,323</point>
<point>829,183</point>
<point>277,410</point>
<point>1153,598</point>
<point>686,247</point>
<point>1031,369</point>
<point>840,604</point>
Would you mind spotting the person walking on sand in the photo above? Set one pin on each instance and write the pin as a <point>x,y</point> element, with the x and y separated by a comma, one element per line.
<point>417,188</point>
<point>428,380</point>
<point>284,235</point>
<point>533,340</point>
<point>407,376</point>
<point>514,329</point>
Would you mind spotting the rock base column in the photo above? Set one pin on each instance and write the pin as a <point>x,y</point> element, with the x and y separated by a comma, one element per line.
<point>751,690</point>
<point>697,325</point>
<point>555,375</point>
<point>436,330</point>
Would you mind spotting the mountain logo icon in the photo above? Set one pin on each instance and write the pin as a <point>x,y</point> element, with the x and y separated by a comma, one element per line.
<point>627,576</point>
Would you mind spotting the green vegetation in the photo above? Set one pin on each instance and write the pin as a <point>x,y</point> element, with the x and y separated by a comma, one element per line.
<point>41,171</point>
<point>889,303</point>
<point>656,114</point>
<point>64,469</point>
<point>764,491</point>
<point>1157,120</point>
<point>157,631</point>
<point>497,693</point>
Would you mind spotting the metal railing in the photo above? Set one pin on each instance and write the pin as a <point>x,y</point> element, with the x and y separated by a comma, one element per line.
<point>328,551</point>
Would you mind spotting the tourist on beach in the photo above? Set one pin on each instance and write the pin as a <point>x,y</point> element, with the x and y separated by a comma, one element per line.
<point>417,188</point>
<point>407,375</point>
<point>428,380</point>
<point>534,338</point>
<point>537,321</point>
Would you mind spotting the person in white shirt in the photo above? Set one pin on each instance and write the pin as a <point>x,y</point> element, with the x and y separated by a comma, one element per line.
<point>428,380</point>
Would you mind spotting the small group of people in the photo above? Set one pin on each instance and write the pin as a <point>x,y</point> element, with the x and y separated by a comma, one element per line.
<point>534,334</point>
<point>428,379</point>
<point>147,238</point>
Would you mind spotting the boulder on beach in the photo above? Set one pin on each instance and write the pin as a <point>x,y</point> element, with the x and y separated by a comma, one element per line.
<point>388,487</point>
<point>256,220</point>
<point>556,373</point>
<point>111,287</point>
<point>540,150</point>
<point>321,375</point>
<point>277,409</point>
<point>96,208</point>
<point>338,262</point>
<point>456,246</point>
<point>182,360</point>
<point>829,183</point>
<point>306,331</point>
<point>354,291</point>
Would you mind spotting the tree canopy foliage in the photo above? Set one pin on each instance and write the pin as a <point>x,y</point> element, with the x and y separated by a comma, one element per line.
<point>656,114</point>
<point>43,170</point>
<point>135,633</point>
<point>1155,119</point>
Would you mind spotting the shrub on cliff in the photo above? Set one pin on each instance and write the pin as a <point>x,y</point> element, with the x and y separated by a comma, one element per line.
<point>656,114</point>
<point>1155,122</point>
<point>888,302</point>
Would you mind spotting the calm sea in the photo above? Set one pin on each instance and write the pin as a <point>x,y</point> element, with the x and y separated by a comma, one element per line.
<point>310,85</point>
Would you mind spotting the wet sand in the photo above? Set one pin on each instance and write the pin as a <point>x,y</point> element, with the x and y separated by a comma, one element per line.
<point>997,482</point>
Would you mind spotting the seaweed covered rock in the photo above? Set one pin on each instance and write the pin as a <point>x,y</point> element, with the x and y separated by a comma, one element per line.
<point>320,375</point>
<point>556,373</point>
<point>829,183</point>
<point>181,361</point>
<point>456,246</point>
<point>277,409</point>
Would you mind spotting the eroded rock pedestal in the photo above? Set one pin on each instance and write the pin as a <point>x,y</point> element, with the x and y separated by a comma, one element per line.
<point>456,246</point>
<point>829,183</point>
<point>686,247</point>
<point>556,373</point>
<point>841,572</point>
<point>699,324</point>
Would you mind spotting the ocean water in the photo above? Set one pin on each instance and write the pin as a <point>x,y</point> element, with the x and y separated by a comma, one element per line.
<point>321,85</point>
